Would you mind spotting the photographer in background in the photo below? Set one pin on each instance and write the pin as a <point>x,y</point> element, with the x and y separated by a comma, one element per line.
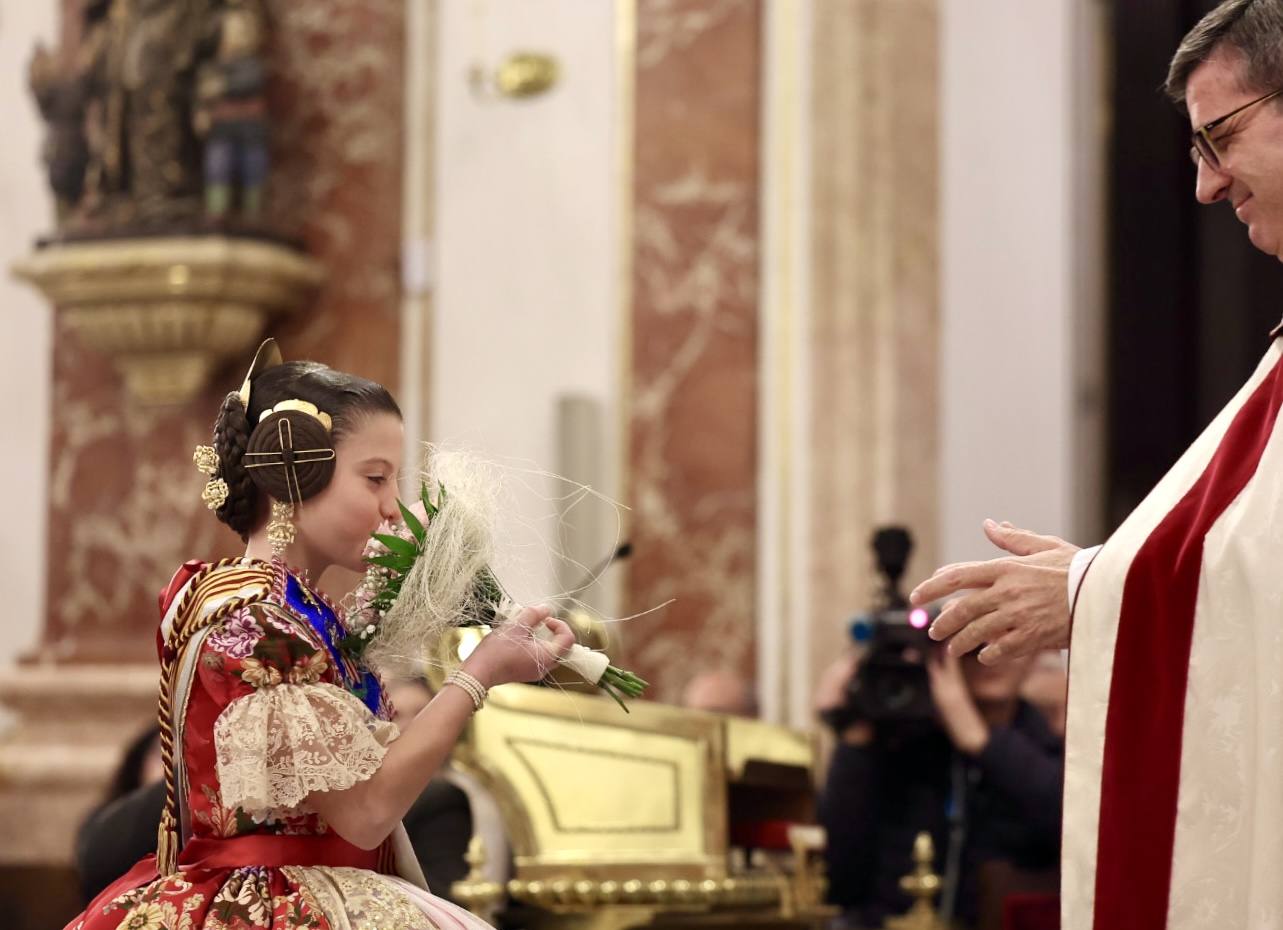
<point>966,760</point>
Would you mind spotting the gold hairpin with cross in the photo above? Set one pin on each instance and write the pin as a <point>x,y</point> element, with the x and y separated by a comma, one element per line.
<point>287,457</point>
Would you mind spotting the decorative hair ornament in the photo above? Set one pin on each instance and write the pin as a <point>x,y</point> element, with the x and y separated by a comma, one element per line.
<point>205,458</point>
<point>301,406</point>
<point>215,493</point>
<point>267,356</point>
<point>290,457</point>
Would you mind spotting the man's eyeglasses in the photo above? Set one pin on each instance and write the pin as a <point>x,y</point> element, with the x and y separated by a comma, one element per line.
<point>1203,147</point>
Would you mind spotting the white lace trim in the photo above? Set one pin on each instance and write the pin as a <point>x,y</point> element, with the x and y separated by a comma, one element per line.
<point>279,744</point>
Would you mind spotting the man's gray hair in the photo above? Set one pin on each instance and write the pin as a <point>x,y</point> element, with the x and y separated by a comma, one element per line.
<point>1252,28</point>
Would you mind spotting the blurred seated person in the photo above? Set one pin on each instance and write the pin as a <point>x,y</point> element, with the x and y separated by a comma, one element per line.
<point>720,691</point>
<point>984,778</point>
<point>122,828</point>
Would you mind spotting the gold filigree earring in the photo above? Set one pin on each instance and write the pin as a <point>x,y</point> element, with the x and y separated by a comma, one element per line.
<point>280,530</point>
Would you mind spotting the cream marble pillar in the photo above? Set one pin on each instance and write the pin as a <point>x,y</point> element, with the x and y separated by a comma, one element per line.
<point>874,307</point>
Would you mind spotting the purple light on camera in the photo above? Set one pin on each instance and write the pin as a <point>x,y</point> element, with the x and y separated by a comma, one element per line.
<point>919,618</point>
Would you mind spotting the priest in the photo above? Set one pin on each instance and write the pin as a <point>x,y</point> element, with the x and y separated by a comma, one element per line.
<point>1174,758</point>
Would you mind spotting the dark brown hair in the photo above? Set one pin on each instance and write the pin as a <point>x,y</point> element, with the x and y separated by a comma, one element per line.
<point>1252,28</point>
<point>346,398</point>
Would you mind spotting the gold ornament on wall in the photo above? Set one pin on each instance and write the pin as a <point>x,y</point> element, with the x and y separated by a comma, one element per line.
<point>521,75</point>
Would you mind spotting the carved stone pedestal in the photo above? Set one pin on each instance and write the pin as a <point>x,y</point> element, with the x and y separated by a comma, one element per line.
<point>170,312</point>
<point>64,729</point>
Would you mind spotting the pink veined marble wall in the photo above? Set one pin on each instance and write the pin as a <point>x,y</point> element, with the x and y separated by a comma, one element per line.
<point>124,507</point>
<point>692,458</point>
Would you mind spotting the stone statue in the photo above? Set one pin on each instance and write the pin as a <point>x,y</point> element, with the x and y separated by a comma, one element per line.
<point>231,113</point>
<point>62,85</point>
<point>65,152</point>
<point>157,97</point>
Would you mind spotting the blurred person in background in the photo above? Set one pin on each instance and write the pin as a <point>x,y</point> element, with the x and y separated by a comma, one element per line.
<point>122,828</point>
<point>984,778</point>
<point>720,691</point>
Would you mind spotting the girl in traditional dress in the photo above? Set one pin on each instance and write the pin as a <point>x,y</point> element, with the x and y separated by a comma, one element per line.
<point>286,780</point>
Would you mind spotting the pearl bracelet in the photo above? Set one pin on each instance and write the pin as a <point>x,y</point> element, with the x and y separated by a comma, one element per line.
<point>470,685</point>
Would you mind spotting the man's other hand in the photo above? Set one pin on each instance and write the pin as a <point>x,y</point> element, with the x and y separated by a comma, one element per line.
<point>1014,606</point>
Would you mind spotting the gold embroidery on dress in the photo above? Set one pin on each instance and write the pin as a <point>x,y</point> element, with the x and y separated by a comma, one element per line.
<point>144,909</point>
<point>307,597</point>
<point>369,900</point>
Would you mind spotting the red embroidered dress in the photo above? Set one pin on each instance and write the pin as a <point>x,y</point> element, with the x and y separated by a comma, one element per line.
<point>267,710</point>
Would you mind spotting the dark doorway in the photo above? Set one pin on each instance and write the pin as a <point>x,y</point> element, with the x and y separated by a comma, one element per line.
<point>1190,300</point>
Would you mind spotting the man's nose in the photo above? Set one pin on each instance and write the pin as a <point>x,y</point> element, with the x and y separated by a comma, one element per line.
<point>1211,184</point>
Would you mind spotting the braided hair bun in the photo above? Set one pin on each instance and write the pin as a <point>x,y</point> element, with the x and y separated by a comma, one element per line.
<point>290,456</point>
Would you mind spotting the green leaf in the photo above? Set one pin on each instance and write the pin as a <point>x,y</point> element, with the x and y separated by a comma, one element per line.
<point>428,506</point>
<point>416,527</point>
<point>396,563</point>
<point>398,546</point>
<point>440,495</point>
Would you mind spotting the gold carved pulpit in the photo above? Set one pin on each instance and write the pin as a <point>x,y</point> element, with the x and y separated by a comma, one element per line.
<point>625,820</point>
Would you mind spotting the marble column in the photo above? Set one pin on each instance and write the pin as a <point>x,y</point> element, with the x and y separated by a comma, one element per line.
<point>874,304</point>
<point>692,397</point>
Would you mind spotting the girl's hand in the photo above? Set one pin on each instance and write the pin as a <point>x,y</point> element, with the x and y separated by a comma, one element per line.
<point>512,653</point>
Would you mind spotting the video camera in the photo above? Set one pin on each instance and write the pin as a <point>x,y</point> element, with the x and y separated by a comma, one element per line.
<point>891,685</point>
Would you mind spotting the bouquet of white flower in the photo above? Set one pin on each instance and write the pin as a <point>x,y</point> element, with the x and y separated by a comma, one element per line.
<point>430,573</point>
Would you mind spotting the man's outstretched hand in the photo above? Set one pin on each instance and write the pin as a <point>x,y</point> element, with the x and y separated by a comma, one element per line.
<point>1015,605</point>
